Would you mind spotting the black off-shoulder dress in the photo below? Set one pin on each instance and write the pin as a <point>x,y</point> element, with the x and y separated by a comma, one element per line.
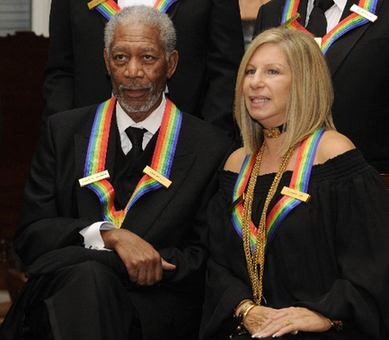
<point>330,255</point>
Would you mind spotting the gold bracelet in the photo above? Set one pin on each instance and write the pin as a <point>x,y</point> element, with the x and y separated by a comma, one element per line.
<point>245,306</point>
<point>236,314</point>
<point>246,311</point>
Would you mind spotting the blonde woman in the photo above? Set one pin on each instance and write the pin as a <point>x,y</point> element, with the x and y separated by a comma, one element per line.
<point>299,229</point>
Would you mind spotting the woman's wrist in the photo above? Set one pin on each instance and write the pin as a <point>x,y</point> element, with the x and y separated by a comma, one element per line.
<point>240,313</point>
<point>242,305</point>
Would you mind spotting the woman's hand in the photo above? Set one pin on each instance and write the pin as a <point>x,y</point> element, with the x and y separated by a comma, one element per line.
<point>257,317</point>
<point>291,320</point>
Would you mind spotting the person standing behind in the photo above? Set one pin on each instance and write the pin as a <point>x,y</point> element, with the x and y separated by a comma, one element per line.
<point>356,46</point>
<point>209,40</point>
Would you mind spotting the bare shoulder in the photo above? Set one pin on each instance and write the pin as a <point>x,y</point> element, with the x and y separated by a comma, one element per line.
<point>332,144</point>
<point>235,160</point>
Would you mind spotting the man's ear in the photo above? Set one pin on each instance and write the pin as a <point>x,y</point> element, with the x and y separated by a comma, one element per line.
<point>106,60</point>
<point>172,63</point>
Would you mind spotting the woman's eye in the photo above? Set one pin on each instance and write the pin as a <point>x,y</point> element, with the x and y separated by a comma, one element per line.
<point>250,71</point>
<point>273,71</point>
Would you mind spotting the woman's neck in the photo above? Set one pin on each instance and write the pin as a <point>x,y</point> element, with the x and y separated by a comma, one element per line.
<point>272,158</point>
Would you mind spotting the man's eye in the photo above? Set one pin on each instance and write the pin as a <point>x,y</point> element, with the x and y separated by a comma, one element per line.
<point>148,57</point>
<point>119,57</point>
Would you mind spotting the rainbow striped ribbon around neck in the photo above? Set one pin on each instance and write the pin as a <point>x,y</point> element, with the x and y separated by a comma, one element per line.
<point>347,24</point>
<point>161,162</point>
<point>299,181</point>
<point>109,7</point>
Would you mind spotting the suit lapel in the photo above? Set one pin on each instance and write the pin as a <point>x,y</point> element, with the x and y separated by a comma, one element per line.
<point>173,8</point>
<point>146,211</point>
<point>342,47</point>
<point>302,10</point>
<point>346,11</point>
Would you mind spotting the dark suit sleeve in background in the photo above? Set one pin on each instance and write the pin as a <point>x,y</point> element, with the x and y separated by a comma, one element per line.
<point>225,50</point>
<point>58,88</point>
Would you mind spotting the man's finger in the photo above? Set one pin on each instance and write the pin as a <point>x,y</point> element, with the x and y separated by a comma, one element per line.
<point>167,266</point>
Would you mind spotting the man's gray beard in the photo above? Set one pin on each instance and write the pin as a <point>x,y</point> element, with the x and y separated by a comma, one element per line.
<point>136,109</point>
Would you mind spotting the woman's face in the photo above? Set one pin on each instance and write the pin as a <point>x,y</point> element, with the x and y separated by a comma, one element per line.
<point>266,85</point>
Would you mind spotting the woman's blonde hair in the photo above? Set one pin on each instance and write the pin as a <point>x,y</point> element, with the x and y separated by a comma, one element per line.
<point>311,94</point>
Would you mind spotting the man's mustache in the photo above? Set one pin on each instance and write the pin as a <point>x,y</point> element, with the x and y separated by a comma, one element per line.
<point>134,87</point>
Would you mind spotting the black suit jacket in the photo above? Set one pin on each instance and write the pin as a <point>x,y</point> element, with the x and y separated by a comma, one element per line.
<point>56,208</point>
<point>359,65</point>
<point>209,42</point>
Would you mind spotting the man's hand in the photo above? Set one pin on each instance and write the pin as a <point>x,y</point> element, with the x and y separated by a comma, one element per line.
<point>144,264</point>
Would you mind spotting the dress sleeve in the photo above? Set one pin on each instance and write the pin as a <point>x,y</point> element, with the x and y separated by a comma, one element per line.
<point>360,230</point>
<point>224,288</point>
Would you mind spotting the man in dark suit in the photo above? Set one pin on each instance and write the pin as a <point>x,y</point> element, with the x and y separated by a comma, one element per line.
<point>119,257</point>
<point>359,63</point>
<point>209,40</point>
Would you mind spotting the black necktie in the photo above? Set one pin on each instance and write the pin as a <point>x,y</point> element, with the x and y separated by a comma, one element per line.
<point>317,23</point>
<point>124,168</point>
<point>136,138</point>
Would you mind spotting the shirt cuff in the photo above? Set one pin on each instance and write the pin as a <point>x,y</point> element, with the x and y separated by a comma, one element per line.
<point>92,236</point>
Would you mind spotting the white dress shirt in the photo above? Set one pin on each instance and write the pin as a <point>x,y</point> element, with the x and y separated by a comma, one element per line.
<point>333,14</point>
<point>126,3</point>
<point>91,234</point>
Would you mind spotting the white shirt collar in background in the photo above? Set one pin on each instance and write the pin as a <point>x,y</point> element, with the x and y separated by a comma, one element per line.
<point>126,3</point>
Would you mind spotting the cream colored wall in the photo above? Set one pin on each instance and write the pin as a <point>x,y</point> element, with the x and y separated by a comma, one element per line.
<point>40,17</point>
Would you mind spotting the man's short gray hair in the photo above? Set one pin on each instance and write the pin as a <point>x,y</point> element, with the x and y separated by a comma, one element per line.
<point>146,16</point>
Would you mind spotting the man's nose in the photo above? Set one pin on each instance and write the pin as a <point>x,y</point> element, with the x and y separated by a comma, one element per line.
<point>133,69</point>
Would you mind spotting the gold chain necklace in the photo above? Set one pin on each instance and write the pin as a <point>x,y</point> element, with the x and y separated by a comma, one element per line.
<point>258,256</point>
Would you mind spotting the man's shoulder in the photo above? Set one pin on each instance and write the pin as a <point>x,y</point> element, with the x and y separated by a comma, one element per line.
<point>269,15</point>
<point>273,5</point>
<point>195,126</point>
<point>203,138</point>
<point>73,119</point>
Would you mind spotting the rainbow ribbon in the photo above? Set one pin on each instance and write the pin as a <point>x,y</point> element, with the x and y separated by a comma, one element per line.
<point>109,7</point>
<point>161,162</point>
<point>347,24</point>
<point>163,5</point>
<point>299,181</point>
